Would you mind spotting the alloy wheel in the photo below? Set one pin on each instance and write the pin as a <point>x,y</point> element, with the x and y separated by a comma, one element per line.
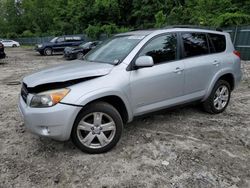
<point>96,130</point>
<point>221,97</point>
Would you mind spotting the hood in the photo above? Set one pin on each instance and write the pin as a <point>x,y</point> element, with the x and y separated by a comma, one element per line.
<point>71,71</point>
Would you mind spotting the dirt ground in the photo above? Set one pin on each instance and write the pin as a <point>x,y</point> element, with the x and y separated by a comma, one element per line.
<point>177,148</point>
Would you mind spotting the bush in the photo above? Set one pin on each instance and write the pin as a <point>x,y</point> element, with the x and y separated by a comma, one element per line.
<point>11,35</point>
<point>160,19</point>
<point>27,33</point>
<point>93,32</point>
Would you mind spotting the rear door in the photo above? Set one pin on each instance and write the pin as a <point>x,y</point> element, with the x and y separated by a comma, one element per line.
<point>199,64</point>
<point>217,45</point>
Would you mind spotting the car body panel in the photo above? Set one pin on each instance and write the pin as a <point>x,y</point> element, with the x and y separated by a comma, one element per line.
<point>2,53</point>
<point>70,53</point>
<point>60,45</point>
<point>142,91</point>
<point>77,69</point>
<point>59,125</point>
<point>10,43</point>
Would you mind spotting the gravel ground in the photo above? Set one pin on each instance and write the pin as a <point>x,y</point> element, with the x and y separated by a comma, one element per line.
<point>176,148</point>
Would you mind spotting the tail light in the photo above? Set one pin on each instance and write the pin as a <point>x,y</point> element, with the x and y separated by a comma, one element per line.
<point>237,53</point>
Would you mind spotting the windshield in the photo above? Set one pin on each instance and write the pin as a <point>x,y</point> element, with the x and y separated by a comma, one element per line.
<point>54,39</point>
<point>85,45</point>
<point>114,50</point>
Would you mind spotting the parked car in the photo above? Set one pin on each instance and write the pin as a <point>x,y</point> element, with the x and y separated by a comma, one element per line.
<point>2,54</point>
<point>58,44</point>
<point>10,43</point>
<point>129,75</point>
<point>71,53</point>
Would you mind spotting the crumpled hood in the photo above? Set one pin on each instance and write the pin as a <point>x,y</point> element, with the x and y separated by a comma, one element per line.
<point>74,70</point>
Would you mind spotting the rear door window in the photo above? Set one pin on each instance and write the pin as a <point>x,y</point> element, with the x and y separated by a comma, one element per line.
<point>195,44</point>
<point>218,42</point>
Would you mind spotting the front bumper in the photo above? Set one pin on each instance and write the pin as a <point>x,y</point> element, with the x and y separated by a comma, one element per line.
<point>54,122</point>
<point>69,55</point>
<point>40,50</point>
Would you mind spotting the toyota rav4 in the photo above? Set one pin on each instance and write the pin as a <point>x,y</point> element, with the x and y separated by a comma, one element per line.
<point>129,75</point>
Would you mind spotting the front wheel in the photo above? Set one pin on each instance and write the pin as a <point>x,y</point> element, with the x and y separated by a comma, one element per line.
<point>97,128</point>
<point>47,51</point>
<point>219,98</point>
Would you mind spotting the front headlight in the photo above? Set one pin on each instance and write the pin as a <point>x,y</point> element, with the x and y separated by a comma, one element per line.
<point>48,98</point>
<point>39,45</point>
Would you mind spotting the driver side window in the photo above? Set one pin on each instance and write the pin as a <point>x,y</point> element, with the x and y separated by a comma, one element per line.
<point>161,49</point>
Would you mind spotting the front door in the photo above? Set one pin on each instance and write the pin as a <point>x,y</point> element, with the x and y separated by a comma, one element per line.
<point>152,87</point>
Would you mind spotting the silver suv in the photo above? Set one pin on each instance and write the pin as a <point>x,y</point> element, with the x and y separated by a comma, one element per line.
<point>129,75</point>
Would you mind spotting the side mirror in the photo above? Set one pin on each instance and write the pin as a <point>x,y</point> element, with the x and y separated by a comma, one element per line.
<point>144,61</point>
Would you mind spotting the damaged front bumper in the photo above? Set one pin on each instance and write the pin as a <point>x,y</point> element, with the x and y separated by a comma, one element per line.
<point>55,122</point>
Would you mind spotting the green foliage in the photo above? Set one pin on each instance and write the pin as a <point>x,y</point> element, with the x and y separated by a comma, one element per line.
<point>59,17</point>
<point>27,33</point>
<point>11,35</point>
<point>160,19</point>
<point>93,31</point>
<point>229,19</point>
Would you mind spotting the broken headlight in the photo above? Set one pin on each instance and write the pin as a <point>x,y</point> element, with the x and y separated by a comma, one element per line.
<point>48,98</point>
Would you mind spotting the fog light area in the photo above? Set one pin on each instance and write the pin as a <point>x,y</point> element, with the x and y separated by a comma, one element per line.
<point>45,130</point>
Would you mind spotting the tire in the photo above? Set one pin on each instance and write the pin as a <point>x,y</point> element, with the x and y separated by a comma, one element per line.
<point>47,51</point>
<point>14,46</point>
<point>88,129</point>
<point>79,55</point>
<point>211,105</point>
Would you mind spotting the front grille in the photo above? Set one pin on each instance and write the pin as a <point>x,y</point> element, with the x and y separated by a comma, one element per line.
<point>24,92</point>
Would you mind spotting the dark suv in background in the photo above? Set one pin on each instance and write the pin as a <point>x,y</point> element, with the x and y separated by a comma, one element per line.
<point>58,44</point>
<point>2,54</point>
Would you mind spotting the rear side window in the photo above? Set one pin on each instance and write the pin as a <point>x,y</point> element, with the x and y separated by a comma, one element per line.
<point>72,39</point>
<point>218,43</point>
<point>195,44</point>
<point>161,49</point>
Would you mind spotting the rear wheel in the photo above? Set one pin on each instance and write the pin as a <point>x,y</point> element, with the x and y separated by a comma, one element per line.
<point>97,128</point>
<point>47,51</point>
<point>219,98</point>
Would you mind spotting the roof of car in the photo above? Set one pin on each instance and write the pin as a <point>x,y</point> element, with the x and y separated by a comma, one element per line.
<point>170,29</point>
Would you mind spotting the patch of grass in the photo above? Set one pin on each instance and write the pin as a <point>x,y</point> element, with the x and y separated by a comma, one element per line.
<point>27,46</point>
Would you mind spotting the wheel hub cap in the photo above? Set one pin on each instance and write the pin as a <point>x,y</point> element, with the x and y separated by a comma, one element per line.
<point>96,130</point>
<point>221,97</point>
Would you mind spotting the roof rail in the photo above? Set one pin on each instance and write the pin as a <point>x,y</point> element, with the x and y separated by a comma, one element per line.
<point>192,26</point>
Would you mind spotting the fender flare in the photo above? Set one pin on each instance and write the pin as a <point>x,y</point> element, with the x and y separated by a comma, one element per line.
<point>106,92</point>
<point>216,77</point>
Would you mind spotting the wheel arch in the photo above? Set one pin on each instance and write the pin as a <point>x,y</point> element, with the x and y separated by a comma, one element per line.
<point>114,99</point>
<point>226,75</point>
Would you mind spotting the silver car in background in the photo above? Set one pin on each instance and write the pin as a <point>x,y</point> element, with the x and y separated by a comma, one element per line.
<point>129,75</point>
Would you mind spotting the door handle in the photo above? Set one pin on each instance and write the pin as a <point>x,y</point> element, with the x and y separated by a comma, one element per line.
<point>216,63</point>
<point>178,70</point>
